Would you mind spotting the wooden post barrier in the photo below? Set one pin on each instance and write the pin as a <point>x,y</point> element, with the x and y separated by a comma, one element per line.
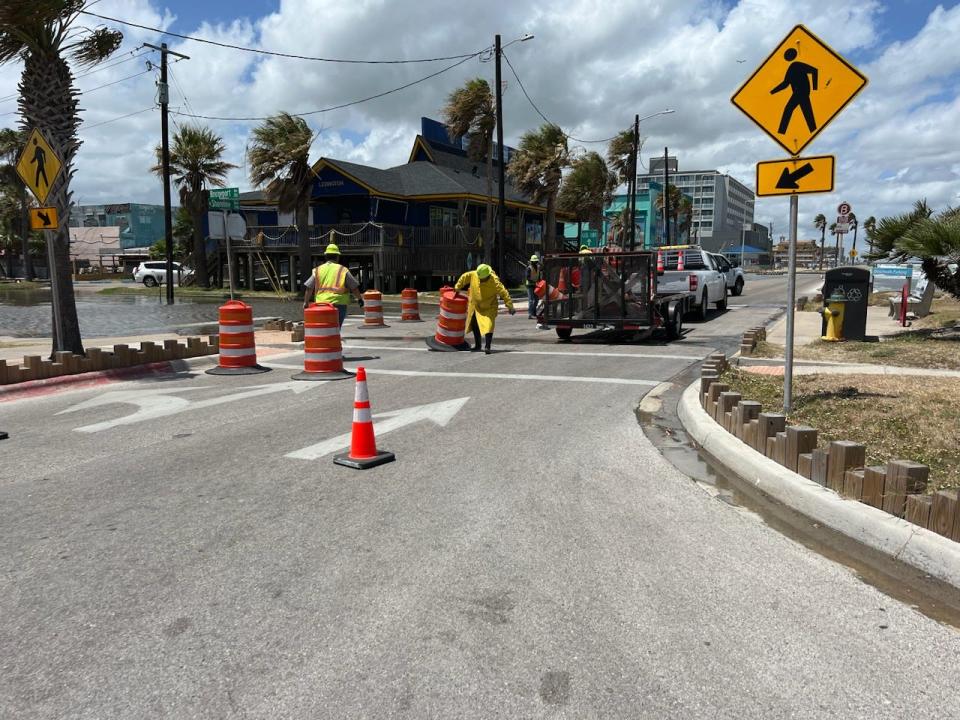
<point>944,513</point>
<point>725,404</point>
<point>769,424</point>
<point>819,466</point>
<point>903,478</point>
<point>853,484</point>
<point>844,455</point>
<point>918,509</point>
<point>804,465</point>
<point>800,439</point>
<point>874,482</point>
<point>713,396</point>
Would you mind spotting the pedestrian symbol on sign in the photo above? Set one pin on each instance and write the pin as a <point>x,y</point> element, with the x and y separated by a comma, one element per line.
<point>799,78</point>
<point>40,158</point>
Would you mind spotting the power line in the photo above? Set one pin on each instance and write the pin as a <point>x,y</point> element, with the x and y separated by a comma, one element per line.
<point>94,89</point>
<point>121,117</point>
<point>335,107</point>
<point>545,118</point>
<point>275,53</point>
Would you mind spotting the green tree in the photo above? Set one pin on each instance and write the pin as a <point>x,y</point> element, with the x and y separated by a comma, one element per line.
<point>196,162</point>
<point>43,34</point>
<point>820,223</point>
<point>676,202</point>
<point>620,155</point>
<point>471,110</point>
<point>12,187</point>
<point>537,171</point>
<point>279,158</point>
<point>935,239</point>
<point>587,190</point>
<point>870,227</point>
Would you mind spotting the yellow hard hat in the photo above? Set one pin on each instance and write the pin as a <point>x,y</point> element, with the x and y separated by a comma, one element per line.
<point>483,271</point>
<point>585,251</point>
<point>332,249</point>
<point>534,258</point>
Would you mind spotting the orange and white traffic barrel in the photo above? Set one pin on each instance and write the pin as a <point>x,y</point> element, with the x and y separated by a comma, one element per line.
<point>322,350</point>
<point>409,306</point>
<point>541,289</point>
<point>373,310</point>
<point>238,348</point>
<point>452,322</point>
<point>363,443</point>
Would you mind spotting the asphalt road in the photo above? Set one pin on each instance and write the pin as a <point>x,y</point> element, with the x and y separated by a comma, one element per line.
<point>529,554</point>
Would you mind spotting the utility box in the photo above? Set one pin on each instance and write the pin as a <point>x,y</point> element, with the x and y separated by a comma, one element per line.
<point>854,284</point>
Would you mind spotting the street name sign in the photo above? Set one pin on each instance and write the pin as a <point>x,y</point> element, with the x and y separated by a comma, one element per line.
<point>798,90</point>
<point>225,199</point>
<point>800,175</point>
<point>44,218</point>
<point>38,166</point>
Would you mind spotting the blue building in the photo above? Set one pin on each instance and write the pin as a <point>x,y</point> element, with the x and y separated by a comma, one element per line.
<point>421,222</point>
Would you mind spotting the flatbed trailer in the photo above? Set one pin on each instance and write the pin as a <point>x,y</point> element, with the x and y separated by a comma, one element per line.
<point>607,291</point>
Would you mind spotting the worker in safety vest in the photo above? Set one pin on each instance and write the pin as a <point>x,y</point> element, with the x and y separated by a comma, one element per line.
<point>332,283</point>
<point>484,290</point>
<point>533,277</point>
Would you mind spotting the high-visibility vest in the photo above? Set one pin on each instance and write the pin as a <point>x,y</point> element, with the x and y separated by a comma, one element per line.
<point>533,275</point>
<point>330,284</point>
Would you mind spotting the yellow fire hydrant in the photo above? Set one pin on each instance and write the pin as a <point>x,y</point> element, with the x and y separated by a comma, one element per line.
<point>833,312</point>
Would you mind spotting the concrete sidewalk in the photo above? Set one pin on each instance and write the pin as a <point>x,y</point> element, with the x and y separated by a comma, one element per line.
<point>807,326</point>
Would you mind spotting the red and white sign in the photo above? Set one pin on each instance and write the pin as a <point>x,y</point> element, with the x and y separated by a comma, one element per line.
<point>843,208</point>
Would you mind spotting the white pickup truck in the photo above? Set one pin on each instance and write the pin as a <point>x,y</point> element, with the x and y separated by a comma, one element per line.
<point>732,273</point>
<point>700,277</point>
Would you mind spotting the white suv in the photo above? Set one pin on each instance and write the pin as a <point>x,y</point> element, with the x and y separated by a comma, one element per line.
<point>154,272</point>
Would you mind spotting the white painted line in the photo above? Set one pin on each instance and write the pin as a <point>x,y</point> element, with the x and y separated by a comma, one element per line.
<point>641,356</point>
<point>513,376</point>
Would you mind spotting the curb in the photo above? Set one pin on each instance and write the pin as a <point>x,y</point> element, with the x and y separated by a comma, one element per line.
<point>919,548</point>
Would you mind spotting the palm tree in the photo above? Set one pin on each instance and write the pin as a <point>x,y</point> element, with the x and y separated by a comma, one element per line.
<point>836,256</point>
<point>620,155</point>
<point>869,227</point>
<point>16,201</point>
<point>587,190</point>
<point>820,223</point>
<point>42,34</point>
<point>684,215</point>
<point>936,240</point>
<point>537,171</point>
<point>196,163</point>
<point>471,110</point>
<point>279,159</point>
<point>676,199</point>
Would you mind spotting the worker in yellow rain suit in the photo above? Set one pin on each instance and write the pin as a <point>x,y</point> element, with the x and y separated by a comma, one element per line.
<point>484,291</point>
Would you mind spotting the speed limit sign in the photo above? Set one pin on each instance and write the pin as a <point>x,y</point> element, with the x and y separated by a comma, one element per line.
<point>843,208</point>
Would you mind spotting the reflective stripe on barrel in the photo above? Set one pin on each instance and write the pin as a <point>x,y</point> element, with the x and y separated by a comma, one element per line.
<point>322,351</point>
<point>453,317</point>
<point>373,308</point>
<point>237,343</point>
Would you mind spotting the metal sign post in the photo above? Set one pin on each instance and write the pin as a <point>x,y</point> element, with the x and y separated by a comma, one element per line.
<point>791,309</point>
<point>229,253</point>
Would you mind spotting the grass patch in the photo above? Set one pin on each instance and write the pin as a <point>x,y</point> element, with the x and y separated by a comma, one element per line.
<point>896,418</point>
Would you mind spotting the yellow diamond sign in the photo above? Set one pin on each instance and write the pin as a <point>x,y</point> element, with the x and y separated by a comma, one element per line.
<point>798,90</point>
<point>38,166</point>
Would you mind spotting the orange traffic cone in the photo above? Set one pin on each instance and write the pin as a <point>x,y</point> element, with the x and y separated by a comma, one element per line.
<point>562,282</point>
<point>363,445</point>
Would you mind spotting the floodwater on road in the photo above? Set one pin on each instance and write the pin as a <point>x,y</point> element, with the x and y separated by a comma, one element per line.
<point>26,313</point>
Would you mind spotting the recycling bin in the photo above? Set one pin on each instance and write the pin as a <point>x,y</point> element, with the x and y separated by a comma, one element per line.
<point>855,286</point>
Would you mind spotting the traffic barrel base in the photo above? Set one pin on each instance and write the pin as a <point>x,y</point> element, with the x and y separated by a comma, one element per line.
<point>237,347</point>
<point>444,347</point>
<point>322,350</point>
<point>363,444</point>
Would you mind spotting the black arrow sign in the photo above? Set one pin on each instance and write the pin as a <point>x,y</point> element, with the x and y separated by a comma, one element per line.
<point>46,218</point>
<point>788,180</point>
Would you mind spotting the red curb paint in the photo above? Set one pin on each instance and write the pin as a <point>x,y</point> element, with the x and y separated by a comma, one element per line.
<point>50,386</point>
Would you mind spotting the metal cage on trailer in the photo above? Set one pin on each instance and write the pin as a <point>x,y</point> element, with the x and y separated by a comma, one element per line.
<point>607,291</point>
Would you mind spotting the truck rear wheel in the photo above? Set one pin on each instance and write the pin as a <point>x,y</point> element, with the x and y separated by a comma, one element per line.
<point>704,307</point>
<point>564,333</point>
<point>675,325</point>
<point>738,286</point>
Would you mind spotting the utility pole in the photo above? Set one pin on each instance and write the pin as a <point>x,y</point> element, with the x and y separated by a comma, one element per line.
<point>632,202</point>
<point>666,198</point>
<point>165,160</point>
<point>501,190</point>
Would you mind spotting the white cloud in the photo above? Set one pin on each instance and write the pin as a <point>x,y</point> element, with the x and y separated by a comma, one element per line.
<point>589,71</point>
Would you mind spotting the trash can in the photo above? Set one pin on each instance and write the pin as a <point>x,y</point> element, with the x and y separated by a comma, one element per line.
<point>854,284</point>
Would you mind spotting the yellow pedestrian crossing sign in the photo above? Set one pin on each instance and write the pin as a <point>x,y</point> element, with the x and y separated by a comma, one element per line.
<point>38,166</point>
<point>798,90</point>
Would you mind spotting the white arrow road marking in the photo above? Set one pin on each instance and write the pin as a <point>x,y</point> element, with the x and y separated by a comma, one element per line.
<point>157,403</point>
<point>440,413</point>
